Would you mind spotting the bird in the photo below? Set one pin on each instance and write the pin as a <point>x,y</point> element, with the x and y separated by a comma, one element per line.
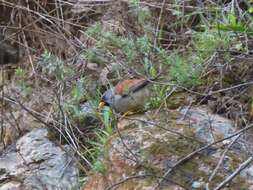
<point>127,96</point>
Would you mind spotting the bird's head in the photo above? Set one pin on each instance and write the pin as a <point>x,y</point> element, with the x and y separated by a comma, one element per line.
<point>107,99</point>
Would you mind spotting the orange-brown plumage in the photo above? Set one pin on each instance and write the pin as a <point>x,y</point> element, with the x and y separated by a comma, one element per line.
<point>127,86</point>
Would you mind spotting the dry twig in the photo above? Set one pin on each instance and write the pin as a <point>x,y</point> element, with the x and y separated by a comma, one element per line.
<point>235,173</point>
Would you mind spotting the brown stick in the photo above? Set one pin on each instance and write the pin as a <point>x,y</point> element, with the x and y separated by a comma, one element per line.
<point>235,173</point>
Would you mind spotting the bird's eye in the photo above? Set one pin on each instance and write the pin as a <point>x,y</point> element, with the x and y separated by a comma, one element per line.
<point>107,104</point>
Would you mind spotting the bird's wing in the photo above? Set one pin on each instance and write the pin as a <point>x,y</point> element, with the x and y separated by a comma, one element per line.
<point>127,87</point>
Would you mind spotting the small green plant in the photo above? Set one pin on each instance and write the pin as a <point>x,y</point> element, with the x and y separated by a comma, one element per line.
<point>158,97</point>
<point>181,70</point>
<point>184,72</point>
<point>24,87</point>
<point>19,72</point>
<point>78,91</point>
<point>164,57</point>
<point>132,50</point>
<point>77,96</point>
<point>144,46</point>
<point>80,105</point>
<point>134,2</point>
<point>206,43</point>
<point>108,120</point>
<point>94,55</point>
<point>143,13</point>
<point>98,145</point>
<point>94,29</point>
<point>232,24</point>
<point>54,66</point>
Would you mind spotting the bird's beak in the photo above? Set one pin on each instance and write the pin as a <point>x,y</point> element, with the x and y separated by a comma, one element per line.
<point>101,104</point>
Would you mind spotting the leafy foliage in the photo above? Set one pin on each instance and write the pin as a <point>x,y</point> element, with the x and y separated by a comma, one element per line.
<point>207,42</point>
<point>78,94</point>
<point>133,50</point>
<point>182,71</point>
<point>232,23</point>
<point>54,66</point>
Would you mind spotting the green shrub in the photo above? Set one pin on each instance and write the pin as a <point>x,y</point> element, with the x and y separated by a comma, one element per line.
<point>132,50</point>
<point>183,72</point>
<point>55,66</point>
<point>231,23</point>
<point>206,43</point>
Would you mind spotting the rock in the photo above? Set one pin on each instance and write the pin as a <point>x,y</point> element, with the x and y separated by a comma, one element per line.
<point>207,126</point>
<point>39,163</point>
<point>12,186</point>
<point>89,113</point>
<point>197,184</point>
<point>249,172</point>
<point>17,121</point>
<point>150,144</point>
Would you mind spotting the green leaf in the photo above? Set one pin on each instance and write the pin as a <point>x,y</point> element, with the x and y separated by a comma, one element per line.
<point>232,19</point>
<point>76,93</point>
<point>19,72</point>
<point>107,116</point>
<point>250,10</point>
